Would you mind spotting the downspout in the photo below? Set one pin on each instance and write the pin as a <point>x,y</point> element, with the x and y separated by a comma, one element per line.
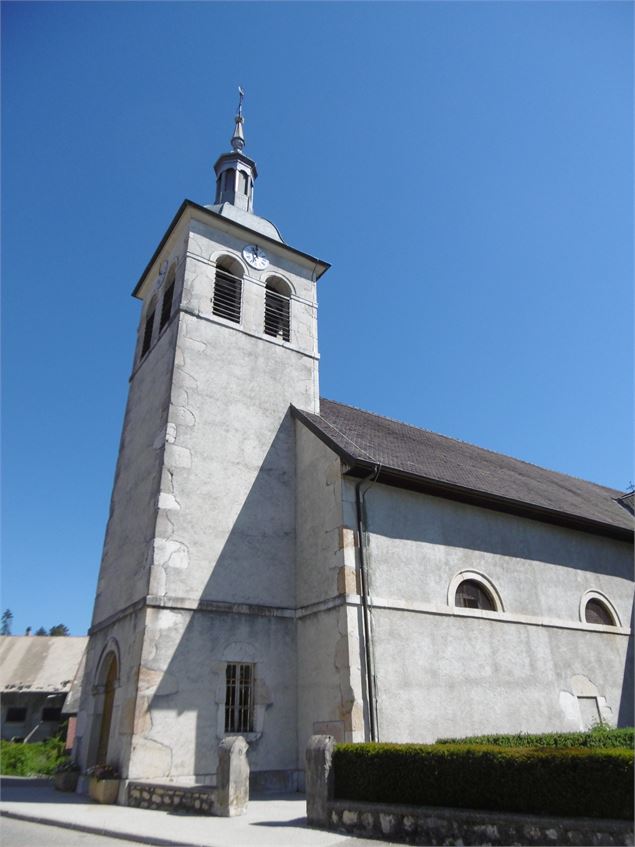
<point>370,664</point>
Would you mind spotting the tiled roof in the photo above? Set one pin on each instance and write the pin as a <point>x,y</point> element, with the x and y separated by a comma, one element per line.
<point>364,439</point>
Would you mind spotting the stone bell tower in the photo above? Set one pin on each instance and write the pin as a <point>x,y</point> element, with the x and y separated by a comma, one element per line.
<point>193,632</point>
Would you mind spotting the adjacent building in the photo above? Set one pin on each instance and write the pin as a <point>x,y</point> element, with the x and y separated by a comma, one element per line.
<point>36,674</point>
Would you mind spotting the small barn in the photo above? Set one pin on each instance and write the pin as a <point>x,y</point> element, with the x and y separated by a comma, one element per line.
<point>36,673</point>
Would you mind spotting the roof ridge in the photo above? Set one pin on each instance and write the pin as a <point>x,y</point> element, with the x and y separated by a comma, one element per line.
<point>476,446</point>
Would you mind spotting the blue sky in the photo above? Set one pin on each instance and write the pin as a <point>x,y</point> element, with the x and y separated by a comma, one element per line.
<point>466,168</point>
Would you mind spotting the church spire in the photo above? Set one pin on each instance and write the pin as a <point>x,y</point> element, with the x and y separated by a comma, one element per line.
<point>236,172</point>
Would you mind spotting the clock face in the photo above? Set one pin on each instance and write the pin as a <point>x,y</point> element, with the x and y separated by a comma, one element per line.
<point>256,257</point>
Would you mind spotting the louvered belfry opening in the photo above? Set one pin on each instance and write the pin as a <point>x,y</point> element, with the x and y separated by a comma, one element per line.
<point>228,288</point>
<point>147,332</point>
<point>277,310</point>
<point>168,297</point>
<point>239,680</point>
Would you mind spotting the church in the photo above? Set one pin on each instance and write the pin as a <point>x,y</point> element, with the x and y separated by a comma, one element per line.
<point>277,564</point>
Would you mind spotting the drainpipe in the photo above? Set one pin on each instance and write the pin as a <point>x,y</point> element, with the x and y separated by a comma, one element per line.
<point>370,664</point>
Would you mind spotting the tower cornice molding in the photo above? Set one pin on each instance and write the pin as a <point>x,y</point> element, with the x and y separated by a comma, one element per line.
<point>196,211</point>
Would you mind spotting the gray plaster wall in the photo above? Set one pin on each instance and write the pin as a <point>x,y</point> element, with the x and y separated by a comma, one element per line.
<point>330,695</point>
<point>181,700</point>
<point>535,664</point>
<point>128,544</point>
<point>320,550</point>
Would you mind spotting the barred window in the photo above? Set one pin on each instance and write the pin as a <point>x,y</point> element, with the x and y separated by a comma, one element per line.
<point>277,310</point>
<point>471,595</point>
<point>596,611</point>
<point>228,287</point>
<point>239,696</point>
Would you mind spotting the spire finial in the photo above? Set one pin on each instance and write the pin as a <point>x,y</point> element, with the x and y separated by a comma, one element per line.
<point>238,138</point>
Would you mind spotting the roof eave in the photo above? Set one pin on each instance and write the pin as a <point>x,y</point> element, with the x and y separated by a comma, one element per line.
<point>357,467</point>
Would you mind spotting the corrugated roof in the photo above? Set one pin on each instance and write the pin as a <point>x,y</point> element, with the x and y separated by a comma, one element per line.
<point>363,439</point>
<point>39,662</point>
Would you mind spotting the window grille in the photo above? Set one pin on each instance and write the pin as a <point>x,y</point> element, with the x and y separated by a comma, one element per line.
<point>227,295</point>
<point>147,334</point>
<point>277,314</point>
<point>471,595</point>
<point>166,306</point>
<point>16,714</point>
<point>239,690</point>
<point>596,612</point>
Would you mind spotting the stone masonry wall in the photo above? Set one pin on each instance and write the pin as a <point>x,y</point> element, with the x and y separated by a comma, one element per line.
<point>170,798</point>
<point>431,826</point>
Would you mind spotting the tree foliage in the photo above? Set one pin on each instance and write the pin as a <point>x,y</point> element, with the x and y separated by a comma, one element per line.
<point>5,622</point>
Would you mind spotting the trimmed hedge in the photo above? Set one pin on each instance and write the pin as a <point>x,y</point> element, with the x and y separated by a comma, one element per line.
<point>543,781</point>
<point>607,738</point>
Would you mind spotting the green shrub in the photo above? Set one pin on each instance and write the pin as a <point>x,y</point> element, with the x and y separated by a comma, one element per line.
<point>600,736</point>
<point>17,759</point>
<point>569,782</point>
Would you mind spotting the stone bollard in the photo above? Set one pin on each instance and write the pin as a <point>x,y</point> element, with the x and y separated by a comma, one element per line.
<point>319,778</point>
<point>232,777</point>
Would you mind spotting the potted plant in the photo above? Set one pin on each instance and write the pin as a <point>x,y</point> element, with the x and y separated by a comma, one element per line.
<point>65,776</point>
<point>103,784</point>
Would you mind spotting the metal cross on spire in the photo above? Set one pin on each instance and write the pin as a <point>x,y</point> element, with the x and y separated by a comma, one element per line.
<point>238,138</point>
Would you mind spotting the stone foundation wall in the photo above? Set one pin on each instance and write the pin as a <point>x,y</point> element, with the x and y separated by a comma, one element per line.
<point>198,800</point>
<point>431,826</point>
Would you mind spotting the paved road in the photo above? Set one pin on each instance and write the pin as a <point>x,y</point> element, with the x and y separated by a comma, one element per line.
<point>26,834</point>
<point>14,833</point>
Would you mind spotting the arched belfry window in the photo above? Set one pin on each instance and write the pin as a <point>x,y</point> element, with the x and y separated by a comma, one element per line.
<point>228,287</point>
<point>168,298</point>
<point>278,309</point>
<point>148,328</point>
<point>596,611</point>
<point>230,179</point>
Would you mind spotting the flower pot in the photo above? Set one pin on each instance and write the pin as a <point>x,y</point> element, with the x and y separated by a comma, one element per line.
<point>103,790</point>
<point>66,780</point>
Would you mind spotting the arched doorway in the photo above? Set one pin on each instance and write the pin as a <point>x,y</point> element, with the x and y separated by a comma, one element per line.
<point>110,674</point>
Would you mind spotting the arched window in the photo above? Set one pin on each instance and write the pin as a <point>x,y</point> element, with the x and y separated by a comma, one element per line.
<point>596,611</point>
<point>473,595</point>
<point>230,180</point>
<point>278,309</point>
<point>243,182</point>
<point>228,288</point>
